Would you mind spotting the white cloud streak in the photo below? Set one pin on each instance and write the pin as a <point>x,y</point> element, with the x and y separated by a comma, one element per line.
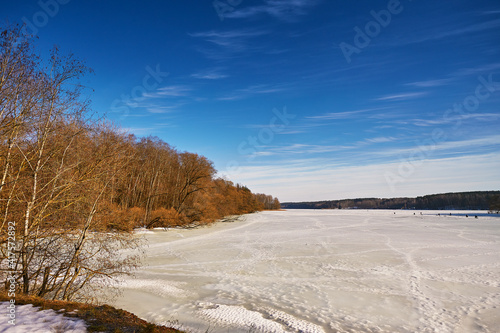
<point>456,119</point>
<point>402,96</point>
<point>234,41</point>
<point>430,83</point>
<point>488,25</point>
<point>339,115</point>
<point>169,91</point>
<point>251,91</point>
<point>210,74</point>
<point>286,10</point>
<point>493,24</point>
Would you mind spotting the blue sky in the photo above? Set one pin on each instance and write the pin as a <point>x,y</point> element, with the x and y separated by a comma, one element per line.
<point>303,99</point>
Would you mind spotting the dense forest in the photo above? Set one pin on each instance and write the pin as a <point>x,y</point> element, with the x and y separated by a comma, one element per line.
<point>462,200</point>
<point>72,186</point>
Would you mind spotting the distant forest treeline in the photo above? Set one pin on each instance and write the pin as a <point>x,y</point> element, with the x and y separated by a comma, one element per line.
<point>462,200</point>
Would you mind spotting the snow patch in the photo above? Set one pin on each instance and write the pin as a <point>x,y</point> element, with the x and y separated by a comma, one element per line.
<point>297,325</point>
<point>238,316</point>
<point>31,319</point>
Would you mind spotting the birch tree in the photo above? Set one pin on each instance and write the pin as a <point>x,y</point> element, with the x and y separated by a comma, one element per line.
<point>57,167</point>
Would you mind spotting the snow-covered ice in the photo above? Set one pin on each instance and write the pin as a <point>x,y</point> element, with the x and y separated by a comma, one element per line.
<point>30,319</point>
<point>324,271</point>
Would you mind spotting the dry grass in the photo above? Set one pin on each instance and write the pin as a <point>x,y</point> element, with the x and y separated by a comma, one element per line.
<point>102,318</point>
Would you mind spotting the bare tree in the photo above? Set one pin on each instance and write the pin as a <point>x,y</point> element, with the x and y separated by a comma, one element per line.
<point>57,171</point>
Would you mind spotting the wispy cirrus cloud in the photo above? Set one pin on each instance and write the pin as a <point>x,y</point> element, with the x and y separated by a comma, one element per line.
<point>286,10</point>
<point>210,74</point>
<point>473,145</point>
<point>430,83</point>
<point>473,28</point>
<point>381,139</point>
<point>318,149</point>
<point>163,100</point>
<point>470,146</point>
<point>402,96</point>
<point>454,76</point>
<point>231,40</point>
<point>493,24</point>
<point>156,108</point>
<point>342,114</point>
<point>476,70</point>
<point>298,148</point>
<point>251,91</point>
<point>359,151</point>
<point>455,119</point>
<point>169,91</point>
<point>490,12</point>
<point>145,131</point>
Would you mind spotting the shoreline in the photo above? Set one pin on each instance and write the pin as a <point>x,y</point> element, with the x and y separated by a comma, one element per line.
<point>96,317</point>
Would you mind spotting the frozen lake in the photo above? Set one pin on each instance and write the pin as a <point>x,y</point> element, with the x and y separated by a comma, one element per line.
<point>324,271</point>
